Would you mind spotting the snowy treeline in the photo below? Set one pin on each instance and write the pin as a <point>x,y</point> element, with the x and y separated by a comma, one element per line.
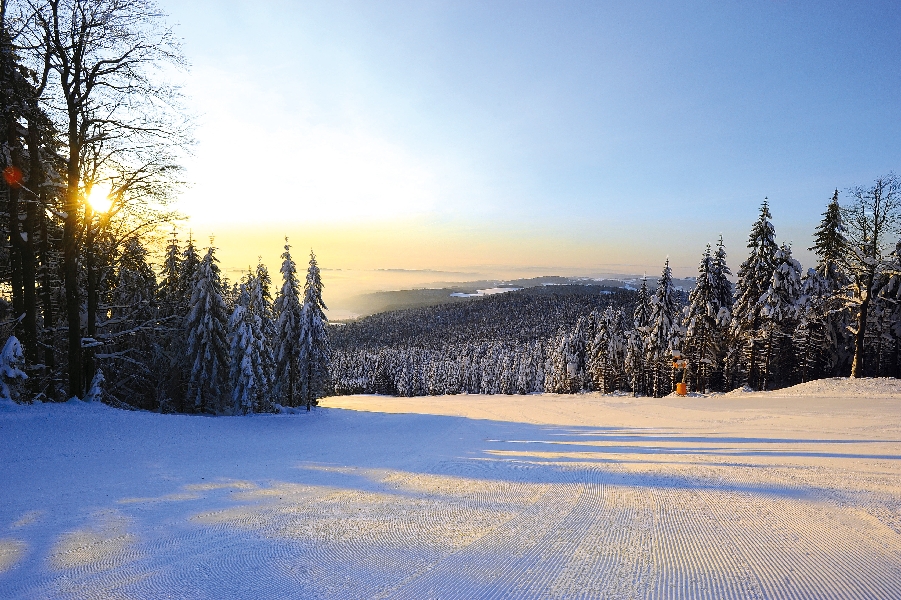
<point>192,342</point>
<point>242,351</point>
<point>497,344</point>
<point>776,326</point>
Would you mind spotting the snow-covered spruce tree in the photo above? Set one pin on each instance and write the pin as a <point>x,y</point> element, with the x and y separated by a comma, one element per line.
<point>288,323</point>
<point>261,305</point>
<point>635,361</point>
<point>315,352</point>
<point>615,377</point>
<point>722,287</point>
<point>526,373</point>
<point>131,336</point>
<point>641,316</point>
<point>700,326</point>
<point>169,277</point>
<point>247,353</point>
<point>664,334</point>
<point>134,296</point>
<point>171,355</point>
<point>724,293</point>
<point>753,279</point>
<point>597,353</point>
<point>829,308</point>
<point>778,318</point>
<point>187,271</point>
<point>12,359</point>
<point>562,365</point>
<point>607,352</point>
<point>569,359</point>
<point>813,340</point>
<point>206,325</point>
<point>830,245</point>
<point>706,319</point>
<point>507,367</point>
<point>636,366</point>
<point>261,299</point>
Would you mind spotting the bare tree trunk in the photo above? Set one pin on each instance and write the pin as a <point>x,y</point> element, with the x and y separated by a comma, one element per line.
<point>47,293</point>
<point>308,387</point>
<point>28,254</point>
<point>752,362</point>
<point>291,382</point>
<point>22,253</point>
<point>92,297</point>
<point>766,361</point>
<point>858,364</point>
<point>70,264</point>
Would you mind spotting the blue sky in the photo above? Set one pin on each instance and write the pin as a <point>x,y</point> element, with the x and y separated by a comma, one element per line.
<point>608,135</point>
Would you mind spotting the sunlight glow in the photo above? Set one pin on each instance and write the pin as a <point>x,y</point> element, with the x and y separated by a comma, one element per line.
<point>100,197</point>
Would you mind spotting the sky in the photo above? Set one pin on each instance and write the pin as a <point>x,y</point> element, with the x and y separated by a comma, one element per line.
<point>505,138</point>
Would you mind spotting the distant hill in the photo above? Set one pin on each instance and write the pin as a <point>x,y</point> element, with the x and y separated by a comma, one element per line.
<point>521,316</point>
<point>386,301</point>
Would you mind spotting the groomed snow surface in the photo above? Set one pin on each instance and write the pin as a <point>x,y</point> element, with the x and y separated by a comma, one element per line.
<point>790,494</point>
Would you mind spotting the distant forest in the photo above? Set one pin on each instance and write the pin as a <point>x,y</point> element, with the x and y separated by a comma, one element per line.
<point>99,300</point>
<point>776,326</point>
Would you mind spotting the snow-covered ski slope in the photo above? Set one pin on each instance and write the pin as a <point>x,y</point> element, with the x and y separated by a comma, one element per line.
<point>792,494</point>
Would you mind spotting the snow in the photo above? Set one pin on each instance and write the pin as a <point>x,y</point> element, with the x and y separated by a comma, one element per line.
<point>786,494</point>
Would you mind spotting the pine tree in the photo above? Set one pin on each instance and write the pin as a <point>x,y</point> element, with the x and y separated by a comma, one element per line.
<point>315,352</point>
<point>12,359</point>
<point>814,340</point>
<point>754,278</point>
<point>635,361</point>
<point>206,325</point>
<point>724,293</point>
<point>607,352</point>
<point>187,272</point>
<point>135,292</point>
<point>131,335</point>
<point>169,278</point>
<point>779,312</point>
<point>701,331</point>
<point>830,245</point>
<point>663,339</point>
<point>247,352</point>
<point>642,314</point>
<point>289,319</point>
<point>829,307</point>
<point>261,305</point>
<point>722,287</point>
<point>636,344</point>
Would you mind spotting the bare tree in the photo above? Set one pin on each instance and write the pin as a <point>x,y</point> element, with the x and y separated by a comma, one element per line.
<point>872,220</point>
<point>119,121</point>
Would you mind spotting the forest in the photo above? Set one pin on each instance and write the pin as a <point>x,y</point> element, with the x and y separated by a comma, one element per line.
<point>101,300</point>
<point>776,326</point>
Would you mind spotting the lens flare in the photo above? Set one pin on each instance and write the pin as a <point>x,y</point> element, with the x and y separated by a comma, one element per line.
<point>100,197</point>
<point>13,176</point>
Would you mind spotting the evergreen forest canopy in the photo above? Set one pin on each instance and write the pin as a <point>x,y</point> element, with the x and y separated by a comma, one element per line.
<point>87,312</point>
<point>777,326</point>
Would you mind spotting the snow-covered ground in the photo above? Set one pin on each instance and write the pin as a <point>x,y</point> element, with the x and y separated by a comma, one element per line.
<point>789,494</point>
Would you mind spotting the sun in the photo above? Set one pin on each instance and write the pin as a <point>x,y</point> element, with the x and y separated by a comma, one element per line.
<point>100,197</point>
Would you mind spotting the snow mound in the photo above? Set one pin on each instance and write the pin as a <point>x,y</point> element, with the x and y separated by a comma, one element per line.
<point>741,391</point>
<point>844,387</point>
